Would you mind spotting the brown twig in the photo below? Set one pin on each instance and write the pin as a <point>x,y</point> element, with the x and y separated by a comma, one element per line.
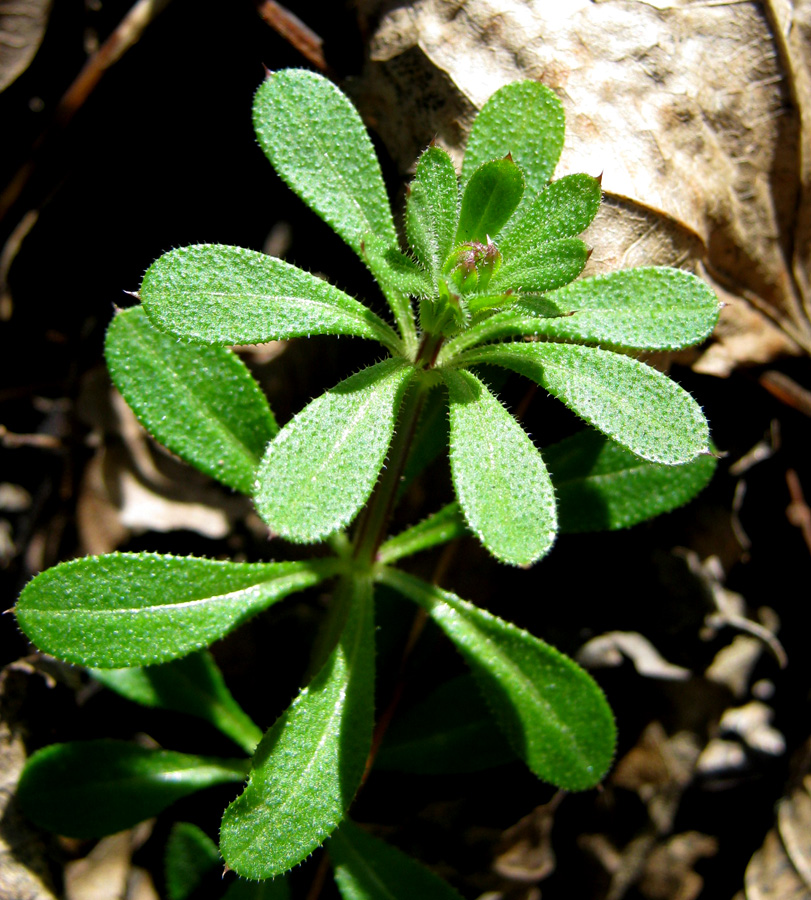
<point>798,512</point>
<point>787,390</point>
<point>295,32</point>
<point>14,440</point>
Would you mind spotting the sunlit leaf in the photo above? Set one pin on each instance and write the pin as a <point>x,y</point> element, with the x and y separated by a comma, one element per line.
<point>543,268</point>
<point>198,400</point>
<point>92,788</point>
<point>227,295</point>
<point>500,479</point>
<point>322,466</point>
<point>432,210</point>
<point>133,609</point>
<point>192,685</point>
<point>308,766</point>
<point>551,711</point>
<point>491,196</point>
<point>445,525</point>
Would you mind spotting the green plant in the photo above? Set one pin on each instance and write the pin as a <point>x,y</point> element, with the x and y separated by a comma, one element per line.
<point>488,280</point>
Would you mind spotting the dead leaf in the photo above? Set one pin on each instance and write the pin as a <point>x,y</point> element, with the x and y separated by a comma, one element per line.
<point>525,853</point>
<point>612,648</point>
<point>771,876</point>
<point>669,872</point>
<point>22,27</point>
<point>104,874</point>
<point>698,116</point>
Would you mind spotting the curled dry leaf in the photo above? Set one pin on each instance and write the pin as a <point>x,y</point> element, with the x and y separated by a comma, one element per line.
<point>612,648</point>
<point>22,26</point>
<point>698,116</point>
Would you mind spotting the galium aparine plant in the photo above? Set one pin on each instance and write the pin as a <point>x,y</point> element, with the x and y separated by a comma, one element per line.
<point>485,274</point>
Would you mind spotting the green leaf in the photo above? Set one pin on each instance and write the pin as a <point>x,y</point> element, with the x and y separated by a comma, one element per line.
<point>523,119</point>
<point>134,609</point>
<point>395,270</point>
<point>491,197</point>
<point>643,309</point>
<point>322,466</point>
<point>192,685</point>
<point>199,401</point>
<point>551,711</point>
<point>450,732</point>
<point>369,869</point>
<point>92,788</point>
<point>190,856</point>
<point>316,141</point>
<point>500,479</point>
<point>637,406</point>
<point>432,210</point>
<point>308,766</point>
<point>546,267</point>
<point>444,525</point>
<point>227,295</point>
<point>564,209</point>
<point>601,486</point>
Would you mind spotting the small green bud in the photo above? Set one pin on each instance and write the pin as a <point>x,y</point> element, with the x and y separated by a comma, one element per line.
<point>471,265</point>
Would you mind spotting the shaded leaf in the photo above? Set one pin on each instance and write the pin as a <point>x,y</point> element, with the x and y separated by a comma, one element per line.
<point>543,268</point>
<point>451,731</point>
<point>91,788</point>
<point>444,525</point>
<point>491,197</point>
<point>190,856</point>
<point>308,766</point>
<point>316,141</point>
<point>637,406</point>
<point>227,295</point>
<point>193,685</point>
<point>500,479</point>
<point>199,401</point>
<point>564,209</point>
<point>132,609</point>
<point>322,466</point>
<point>432,210</point>
<point>369,869</point>
<point>602,486</point>
<point>551,711</point>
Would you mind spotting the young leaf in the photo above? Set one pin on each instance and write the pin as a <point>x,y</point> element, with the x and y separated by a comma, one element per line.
<point>546,267</point>
<point>394,269</point>
<point>192,685</point>
<point>199,401</point>
<point>551,711</point>
<point>601,486</point>
<point>432,210</point>
<point>500,479</point>
<point>316,141</point>
<point>645,309</point>
<point>135,609</point>
<point>523,119</point>
<point>308,766</point>
<point>491,197</point>
<point>322,466</point>
<point>227,295</point>
<point>190,856</point>
<point>564,209</point>
<point>369,869</point>
<point>450,732</point>
<point>92,788</point>
<point>444,525</point>
<point>637,406</point>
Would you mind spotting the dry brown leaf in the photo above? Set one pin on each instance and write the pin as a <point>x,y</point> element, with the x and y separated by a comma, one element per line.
<point>698,115</point>
<point>525,853</point>
<point>105,873</point>
<point>771,876</point>
<point>669,872</point>
<point>612,648</point>
<point>22,26</point>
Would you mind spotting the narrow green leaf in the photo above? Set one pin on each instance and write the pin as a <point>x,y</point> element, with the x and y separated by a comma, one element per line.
<point>443,526</point>
<point>524,119</point>
<point>227,295</point>
<point>432,210</point>
<point>190,856</point>
<point>551,711</point>
<point>199,401</point>
<point>637,406</point>
<point>316,141</point>
<point>134,609</point>
<point>272,889</point>
<point>450,732</point>
<point>545,267</point>
<point>500,479</point>
<point>601,486</point>
<point>641,309</point>
<point>309,764</point>
<point>92,788</point>
<point>369,869</point>
<point>193,685</point>
<point>491,197</point>
<point>322,466</point>
<point>564,209</point>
